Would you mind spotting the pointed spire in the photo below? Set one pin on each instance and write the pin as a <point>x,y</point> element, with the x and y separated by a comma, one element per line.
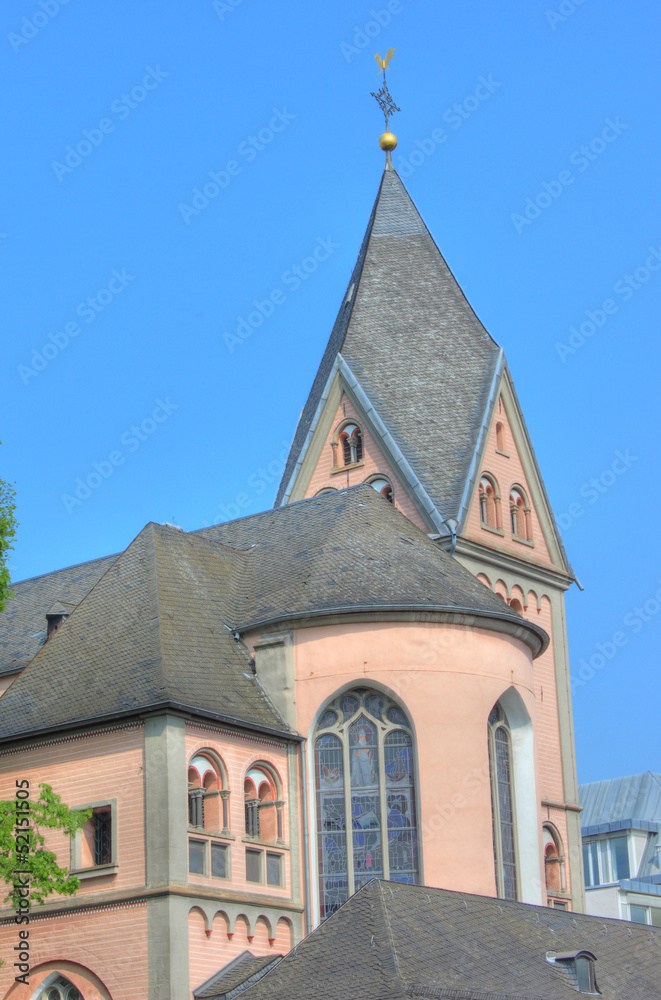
<point>416,349</point>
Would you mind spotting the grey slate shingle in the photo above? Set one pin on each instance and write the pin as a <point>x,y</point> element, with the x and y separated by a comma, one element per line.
<point>416,346</point>
<point>157,627</point>
<point>391,940</point>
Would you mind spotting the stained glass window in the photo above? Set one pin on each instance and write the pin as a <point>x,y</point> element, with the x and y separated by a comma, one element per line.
<point>364,769</point>
<point>502,804</point>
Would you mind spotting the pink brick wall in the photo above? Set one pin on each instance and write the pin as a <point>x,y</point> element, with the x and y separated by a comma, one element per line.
<point>374,462</point>
<point>104,765</point>
<point>102,951</point>
<point>507,471</point>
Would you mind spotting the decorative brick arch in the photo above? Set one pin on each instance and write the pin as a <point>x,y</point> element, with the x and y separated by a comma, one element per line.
<point>44,975</point>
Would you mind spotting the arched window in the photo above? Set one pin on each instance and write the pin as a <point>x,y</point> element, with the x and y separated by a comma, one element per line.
<point>263,805</point>
<point>364,769</point>
<point>554,861</point>
<point>207,793</point>
<point>382,486</point>
<point>489,502</point>
<point>350,439</point>
<point>519,514</point>
<point>58,988</point>
<point>502,804</point>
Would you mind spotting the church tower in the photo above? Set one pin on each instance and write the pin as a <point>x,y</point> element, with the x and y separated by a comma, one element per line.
<point>414,397</point>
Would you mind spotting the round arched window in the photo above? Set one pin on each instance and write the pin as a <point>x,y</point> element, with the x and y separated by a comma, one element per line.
<point>365,782</point>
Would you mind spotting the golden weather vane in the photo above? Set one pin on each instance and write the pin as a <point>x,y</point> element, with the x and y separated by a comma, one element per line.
<point>385,101</point>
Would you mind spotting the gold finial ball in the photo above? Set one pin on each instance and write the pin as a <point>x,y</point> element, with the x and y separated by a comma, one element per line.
<point>388,141</point>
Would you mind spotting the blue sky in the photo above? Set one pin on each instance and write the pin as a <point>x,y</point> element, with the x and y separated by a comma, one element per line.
<point>135,286</point>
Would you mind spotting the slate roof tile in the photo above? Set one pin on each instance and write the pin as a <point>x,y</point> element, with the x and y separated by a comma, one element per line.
<point>391,940</point>
<point>157,627</point>
<point>416,346</point>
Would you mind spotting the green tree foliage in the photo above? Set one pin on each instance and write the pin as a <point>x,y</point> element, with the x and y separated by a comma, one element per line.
<point>8,526</point>
<point>22,846</point>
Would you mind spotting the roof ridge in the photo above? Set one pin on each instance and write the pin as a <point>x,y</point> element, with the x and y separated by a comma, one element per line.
<point>386,916</point>
<point>62,569</point>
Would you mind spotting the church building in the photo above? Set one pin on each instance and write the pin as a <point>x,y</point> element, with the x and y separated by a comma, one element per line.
<point>369,680</point>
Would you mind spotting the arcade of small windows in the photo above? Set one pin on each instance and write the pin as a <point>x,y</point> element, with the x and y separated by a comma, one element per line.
<point>209,853</point>
<point>520,515</point>
<point>502,804</point>
<point>490,512</point>
<point>489,503</point>
<point>348,446</point>
<point>365,796</point>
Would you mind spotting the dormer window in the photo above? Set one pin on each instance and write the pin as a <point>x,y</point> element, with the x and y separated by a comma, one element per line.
<point>580,969</point>
<point>54,618</point>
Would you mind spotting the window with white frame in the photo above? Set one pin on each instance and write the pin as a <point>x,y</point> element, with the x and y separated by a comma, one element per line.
<point>606,861</point>
<point>502,804</point>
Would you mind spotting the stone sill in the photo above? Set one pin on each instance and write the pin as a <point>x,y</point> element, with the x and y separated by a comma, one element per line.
<point>96,872</point>
<point>494,531</point>
<point>503,453</point>
<point>524,541</point>
<point>278,845</point>
<point>347,468</point>
<point>199,831</point>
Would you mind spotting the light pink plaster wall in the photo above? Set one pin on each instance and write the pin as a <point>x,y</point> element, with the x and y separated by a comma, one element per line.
<point>448,679</point>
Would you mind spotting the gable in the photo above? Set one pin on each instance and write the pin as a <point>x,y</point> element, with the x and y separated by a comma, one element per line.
<point>327,469</point>
<point>417,350</point>
<point>508,462</point>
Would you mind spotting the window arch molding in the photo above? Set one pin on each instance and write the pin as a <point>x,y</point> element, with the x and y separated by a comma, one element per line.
<point>57,987</point>
<point>363,762</point>
<point>208,791</point>
<point>262,789</point>
<point>348,443</point>
<point>489,500</point>
<point>520,522</point>
<point>554,859</point>
<point>524,783</point>
<point>383,485</point>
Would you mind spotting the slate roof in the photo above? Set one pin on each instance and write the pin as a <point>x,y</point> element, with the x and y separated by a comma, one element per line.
<point>415,345</point>
<point>23,622</point>
<point>235,977</point>
<point>157,628</point>
<point>152,632</point>
<point>391,940</point>
<point>347,550</point>
<point>636,797</point>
